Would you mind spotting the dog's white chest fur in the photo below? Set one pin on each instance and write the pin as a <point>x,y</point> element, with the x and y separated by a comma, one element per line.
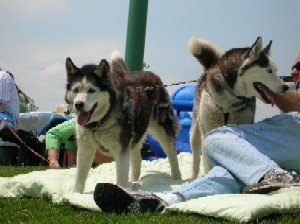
<point>102,138</point>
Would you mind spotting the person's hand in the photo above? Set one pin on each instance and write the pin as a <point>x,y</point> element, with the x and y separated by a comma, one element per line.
<point>53,159</point>
<point>53,164</point>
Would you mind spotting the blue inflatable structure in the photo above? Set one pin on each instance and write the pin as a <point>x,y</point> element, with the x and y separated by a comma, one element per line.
<point>183,98</point>
<point>182,101</point>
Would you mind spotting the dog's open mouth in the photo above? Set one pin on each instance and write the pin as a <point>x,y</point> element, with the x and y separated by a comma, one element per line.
<point>84,117</point>
<point>265,92</point>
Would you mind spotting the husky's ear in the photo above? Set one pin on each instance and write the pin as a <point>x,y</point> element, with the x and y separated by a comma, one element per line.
<point>103,70</point>
<point>70,67</point>
<point>255,50</point>
<point>267,49</point>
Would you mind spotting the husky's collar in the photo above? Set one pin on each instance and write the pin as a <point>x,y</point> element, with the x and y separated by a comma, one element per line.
<point>229,89</point>
<point>98,124</point>
<point>94,124</point>
<point>244,100</point>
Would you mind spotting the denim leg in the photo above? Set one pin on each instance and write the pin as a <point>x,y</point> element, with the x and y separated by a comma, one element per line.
<point>217,181</point>
<point>249,151</point>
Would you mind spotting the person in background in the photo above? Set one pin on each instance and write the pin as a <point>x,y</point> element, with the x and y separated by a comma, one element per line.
<point>9,99</point>
<point>249,158</point>
<point>9,117</point>
<point>13,101</point>
<point>61,133</point>
<point>296,72</point>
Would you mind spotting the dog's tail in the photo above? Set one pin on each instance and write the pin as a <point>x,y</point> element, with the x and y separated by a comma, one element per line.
<point>117,63</point>
<point>205,52</point>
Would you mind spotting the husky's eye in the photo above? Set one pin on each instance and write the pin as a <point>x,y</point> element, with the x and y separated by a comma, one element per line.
<point>75,90</point>
<point>91,91</point>
<point>269,70</point>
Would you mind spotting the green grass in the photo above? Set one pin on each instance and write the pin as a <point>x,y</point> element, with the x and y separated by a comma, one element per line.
<point>41,210</point>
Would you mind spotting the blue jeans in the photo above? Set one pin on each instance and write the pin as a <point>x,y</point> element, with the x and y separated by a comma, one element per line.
<point>242,154</point>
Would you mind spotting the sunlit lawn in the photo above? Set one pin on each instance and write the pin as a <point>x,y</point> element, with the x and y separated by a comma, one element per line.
<point>42,210</point>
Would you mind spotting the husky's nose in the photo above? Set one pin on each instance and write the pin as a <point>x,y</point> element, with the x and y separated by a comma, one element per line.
<point>79,105</point>
<point>285,88</point>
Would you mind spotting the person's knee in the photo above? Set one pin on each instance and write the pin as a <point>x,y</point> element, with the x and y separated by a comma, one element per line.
<point>214,140</point>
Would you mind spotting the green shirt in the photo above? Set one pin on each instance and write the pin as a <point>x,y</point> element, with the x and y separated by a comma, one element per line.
<point>23,103</point>
<point>62,133</point>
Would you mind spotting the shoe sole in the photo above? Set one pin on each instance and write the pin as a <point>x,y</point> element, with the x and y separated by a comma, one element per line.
<point>266,188</point>
<point>111,198</point>
<point>261,189</point>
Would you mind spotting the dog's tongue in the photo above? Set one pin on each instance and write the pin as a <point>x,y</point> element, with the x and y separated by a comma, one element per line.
<point>268,95</point>
<point>83,118</point>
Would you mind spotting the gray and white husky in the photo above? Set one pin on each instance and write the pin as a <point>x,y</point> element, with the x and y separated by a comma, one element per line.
<point>226,93</point>
<point>115,110</point>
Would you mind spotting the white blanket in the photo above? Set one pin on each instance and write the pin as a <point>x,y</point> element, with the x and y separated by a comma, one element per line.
<point>57,184</point>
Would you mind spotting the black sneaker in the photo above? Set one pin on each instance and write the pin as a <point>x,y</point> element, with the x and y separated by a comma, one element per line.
<point>274,180</point>
<point>113,198</point>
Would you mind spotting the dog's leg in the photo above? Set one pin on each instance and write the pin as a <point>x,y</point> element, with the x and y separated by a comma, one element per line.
<point>136,161</point>
<point>85,156</point>
<point>122,167</point>
<point>195,141</point>
<point>168,143</point>
<point>206,164</point>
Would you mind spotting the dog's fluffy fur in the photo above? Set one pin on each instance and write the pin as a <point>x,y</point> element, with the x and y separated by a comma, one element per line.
<point>226,93</point>
<point>114,112</point>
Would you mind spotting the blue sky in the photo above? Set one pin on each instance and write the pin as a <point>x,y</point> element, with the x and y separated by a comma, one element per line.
<point>37,35</point>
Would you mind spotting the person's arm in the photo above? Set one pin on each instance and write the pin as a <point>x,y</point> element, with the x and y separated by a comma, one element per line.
<point>53,158</point>
<point>288,101</point>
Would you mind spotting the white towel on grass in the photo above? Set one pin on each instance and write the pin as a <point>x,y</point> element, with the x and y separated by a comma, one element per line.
<point>57,186</point>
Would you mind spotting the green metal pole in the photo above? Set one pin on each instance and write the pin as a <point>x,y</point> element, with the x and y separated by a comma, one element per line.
<point>136,33</point>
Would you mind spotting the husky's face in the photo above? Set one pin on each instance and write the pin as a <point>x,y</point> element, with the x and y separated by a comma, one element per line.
<point>89,90</point>
<point>257,75</point>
